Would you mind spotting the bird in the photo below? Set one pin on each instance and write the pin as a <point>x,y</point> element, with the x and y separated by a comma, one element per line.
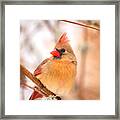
<point>58,72</point>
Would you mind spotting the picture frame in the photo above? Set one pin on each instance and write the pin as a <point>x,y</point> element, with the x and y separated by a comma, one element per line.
<point>79,2</point>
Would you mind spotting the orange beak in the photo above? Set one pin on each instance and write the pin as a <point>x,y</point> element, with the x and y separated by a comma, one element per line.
<point>55,53</point>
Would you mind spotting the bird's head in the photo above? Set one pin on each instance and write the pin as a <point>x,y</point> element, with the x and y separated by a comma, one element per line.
<point>62,47</point>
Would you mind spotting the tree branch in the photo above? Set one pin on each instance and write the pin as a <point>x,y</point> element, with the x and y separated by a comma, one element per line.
<point>81,24</point>
<point>39,84</point>
<point>33,88</point>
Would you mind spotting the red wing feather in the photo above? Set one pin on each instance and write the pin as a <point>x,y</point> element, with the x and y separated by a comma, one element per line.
<point>35,94</point>
<point>39,68</point>
<point>37,71</point>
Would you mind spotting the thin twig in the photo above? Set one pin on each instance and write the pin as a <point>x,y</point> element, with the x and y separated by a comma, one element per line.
<point>81,24</point>
<point>34,88</point>
<point>26,85</point>
<point>39,84</point>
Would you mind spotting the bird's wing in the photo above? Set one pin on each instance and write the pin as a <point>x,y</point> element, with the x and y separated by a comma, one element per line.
<point>35,94</point>
<point>38,69</point>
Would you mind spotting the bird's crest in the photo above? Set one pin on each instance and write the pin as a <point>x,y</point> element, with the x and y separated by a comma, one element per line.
<point>63,38</point>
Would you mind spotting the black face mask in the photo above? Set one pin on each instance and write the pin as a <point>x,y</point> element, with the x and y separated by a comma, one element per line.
<point>61,51</point>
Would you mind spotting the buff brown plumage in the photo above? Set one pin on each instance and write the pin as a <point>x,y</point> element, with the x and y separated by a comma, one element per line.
<point>58,72</point>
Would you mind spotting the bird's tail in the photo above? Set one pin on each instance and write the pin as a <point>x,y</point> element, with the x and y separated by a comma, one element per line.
<point>35,95</point>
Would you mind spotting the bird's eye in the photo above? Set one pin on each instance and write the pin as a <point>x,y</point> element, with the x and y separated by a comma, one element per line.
<point>62,50</point>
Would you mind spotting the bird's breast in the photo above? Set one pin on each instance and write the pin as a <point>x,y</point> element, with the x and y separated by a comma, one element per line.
<point>58,76</point>
<point>61,70</point>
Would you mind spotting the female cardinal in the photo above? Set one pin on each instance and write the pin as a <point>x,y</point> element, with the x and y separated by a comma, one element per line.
<point>58,72</point>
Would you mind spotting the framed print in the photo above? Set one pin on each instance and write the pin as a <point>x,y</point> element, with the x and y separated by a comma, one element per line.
<point>59,59</point>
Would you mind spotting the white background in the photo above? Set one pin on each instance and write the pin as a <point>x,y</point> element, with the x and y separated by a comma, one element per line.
<point>106,15</point>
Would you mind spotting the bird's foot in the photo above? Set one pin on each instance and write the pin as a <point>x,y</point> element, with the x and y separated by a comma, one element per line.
<point>51,97</point>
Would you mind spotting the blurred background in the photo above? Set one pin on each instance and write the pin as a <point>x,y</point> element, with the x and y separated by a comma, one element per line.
<point>37,40</point>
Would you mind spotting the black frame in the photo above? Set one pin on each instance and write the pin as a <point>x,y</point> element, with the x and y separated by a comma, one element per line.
<point>2,67</point>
